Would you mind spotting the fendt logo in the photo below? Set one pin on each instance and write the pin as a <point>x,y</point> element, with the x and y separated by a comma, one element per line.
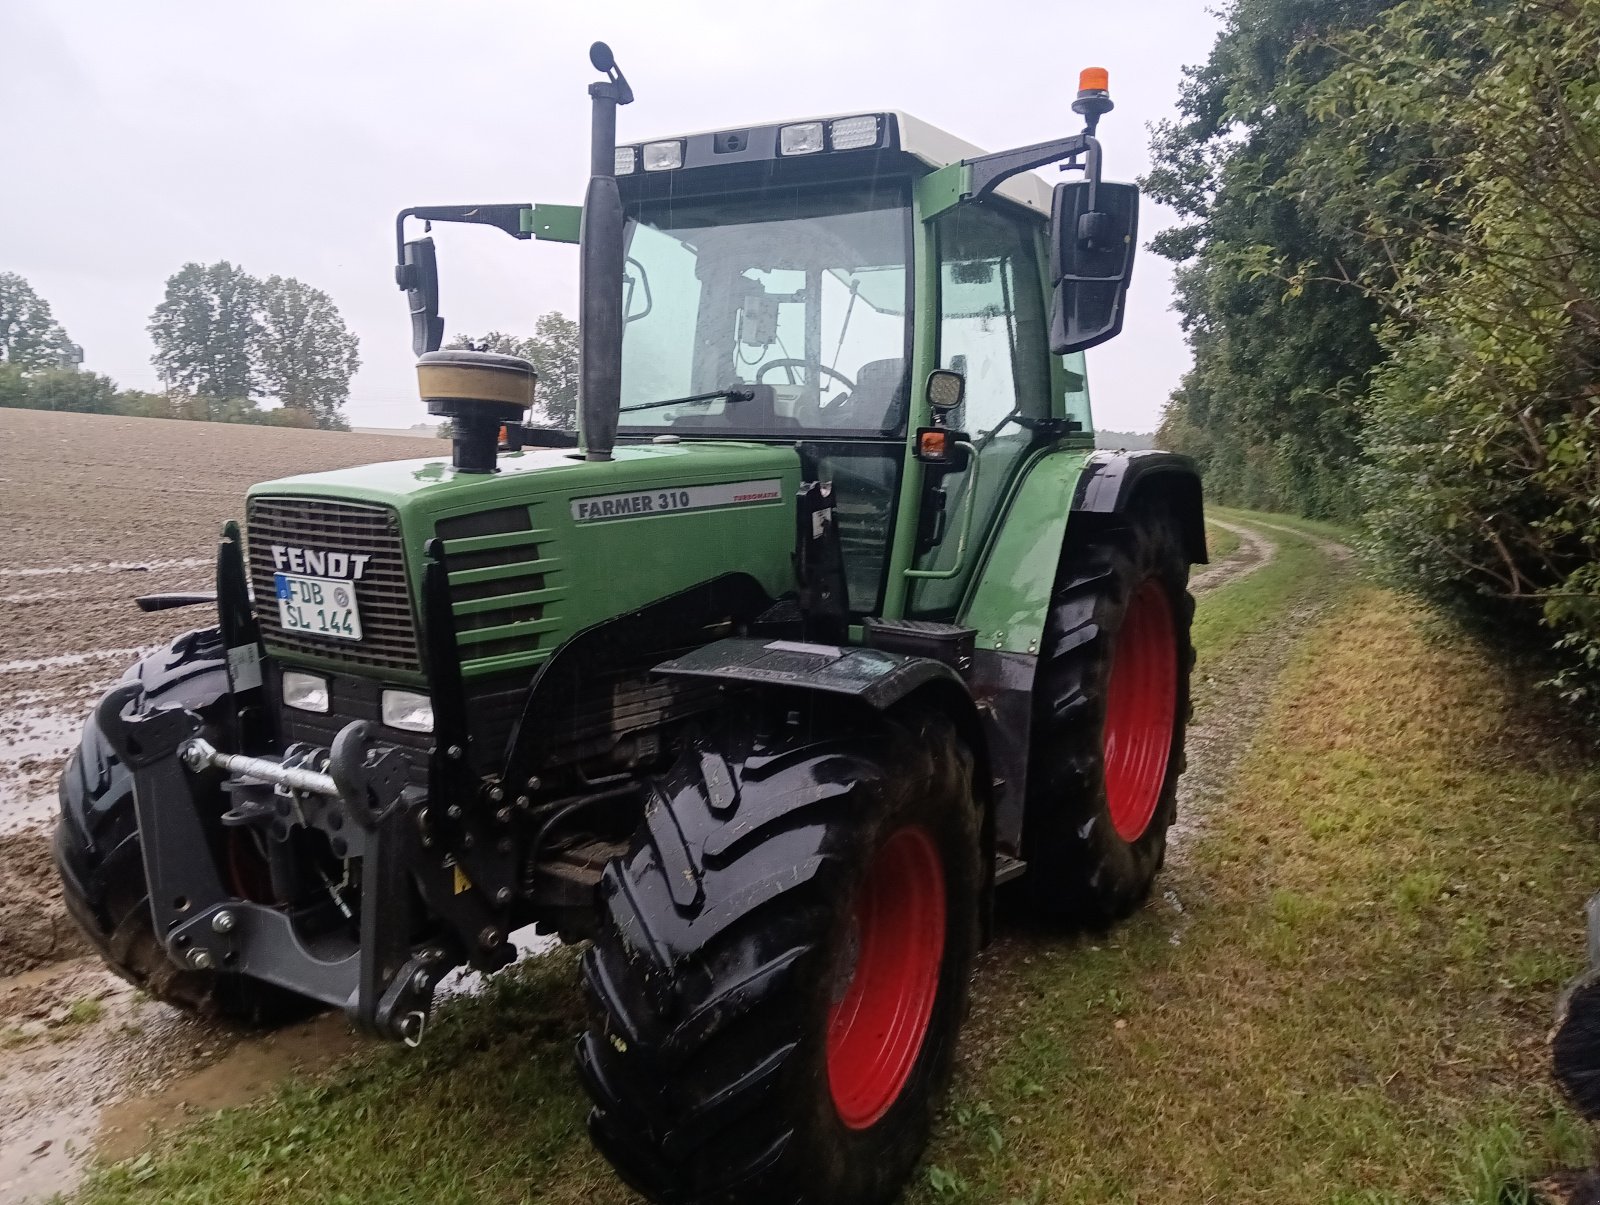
<point>286,558</point>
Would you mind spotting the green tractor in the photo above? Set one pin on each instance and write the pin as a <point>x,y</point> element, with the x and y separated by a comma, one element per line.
<point>826,629</point>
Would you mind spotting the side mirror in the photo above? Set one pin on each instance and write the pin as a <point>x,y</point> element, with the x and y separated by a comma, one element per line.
<point>1094,233</point>
<point>418,275</point>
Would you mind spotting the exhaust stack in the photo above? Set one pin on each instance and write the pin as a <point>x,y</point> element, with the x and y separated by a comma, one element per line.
<point>600,269</point>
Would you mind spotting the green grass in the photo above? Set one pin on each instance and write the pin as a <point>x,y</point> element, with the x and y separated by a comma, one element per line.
<point>1220,542</point>
<point>85,1011</point>
<point>1348,1009</point>
<point>1351,1007</point>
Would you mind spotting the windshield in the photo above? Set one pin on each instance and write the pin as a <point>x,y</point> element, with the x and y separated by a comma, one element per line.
<point>801,291</point>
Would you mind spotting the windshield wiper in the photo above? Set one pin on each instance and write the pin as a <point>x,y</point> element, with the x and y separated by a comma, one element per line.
<point>732,395</point>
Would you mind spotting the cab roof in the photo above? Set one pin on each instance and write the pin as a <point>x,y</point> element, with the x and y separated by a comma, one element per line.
<point>897,131</point>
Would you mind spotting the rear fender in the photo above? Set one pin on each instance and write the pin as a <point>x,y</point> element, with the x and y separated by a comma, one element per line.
<point>1060,495</point>
<point>1112,483</point>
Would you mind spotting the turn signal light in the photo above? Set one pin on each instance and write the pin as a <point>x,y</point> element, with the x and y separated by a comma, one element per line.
<point>942,447</point>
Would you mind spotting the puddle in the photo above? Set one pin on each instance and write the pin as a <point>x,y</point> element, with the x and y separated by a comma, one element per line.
<point>88,1066</point>
<point>33,748</point>
<point>248,1071</point>
<point>71,1036</point>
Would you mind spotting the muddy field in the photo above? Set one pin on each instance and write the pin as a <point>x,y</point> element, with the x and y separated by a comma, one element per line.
<point>97,510</point>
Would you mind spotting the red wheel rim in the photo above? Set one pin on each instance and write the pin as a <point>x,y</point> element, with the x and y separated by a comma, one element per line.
<point>1141,705</point>
<point>880,1015</point>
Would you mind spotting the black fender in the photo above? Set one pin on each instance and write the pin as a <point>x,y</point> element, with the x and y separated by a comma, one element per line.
<point>882,680</point>
<point>1110,482</point>
<point>876,677</point>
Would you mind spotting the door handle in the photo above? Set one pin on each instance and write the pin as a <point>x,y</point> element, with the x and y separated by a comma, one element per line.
<point>970,506</point>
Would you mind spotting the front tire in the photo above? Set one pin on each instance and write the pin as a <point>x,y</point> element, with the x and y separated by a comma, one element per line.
<point>782,966</point>
<point>101,860</point>
<point>1110,714</point>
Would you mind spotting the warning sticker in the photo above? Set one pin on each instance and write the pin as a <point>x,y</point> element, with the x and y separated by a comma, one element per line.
<point>642,503</point>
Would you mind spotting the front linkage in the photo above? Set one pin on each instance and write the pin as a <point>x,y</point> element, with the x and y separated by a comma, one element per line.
<point>419,856</point>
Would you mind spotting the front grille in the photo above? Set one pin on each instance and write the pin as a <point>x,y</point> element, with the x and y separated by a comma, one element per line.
<point>388,627</point>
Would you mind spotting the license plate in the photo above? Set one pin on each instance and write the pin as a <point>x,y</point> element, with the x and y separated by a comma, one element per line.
<point>322,606</point>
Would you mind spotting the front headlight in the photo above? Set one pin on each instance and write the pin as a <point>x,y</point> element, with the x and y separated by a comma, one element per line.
<point>305,692</point>
<point>408,710</point>
<point>803,139</point>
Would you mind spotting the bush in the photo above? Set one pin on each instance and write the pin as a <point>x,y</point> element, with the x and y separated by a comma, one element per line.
<point>1483,423</point>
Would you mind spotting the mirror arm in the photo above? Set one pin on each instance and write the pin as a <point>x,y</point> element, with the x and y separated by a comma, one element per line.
<point>989,172</point>
<point>501,217</point>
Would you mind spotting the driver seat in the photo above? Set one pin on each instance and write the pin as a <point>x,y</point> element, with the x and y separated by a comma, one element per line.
<point>879,397</point>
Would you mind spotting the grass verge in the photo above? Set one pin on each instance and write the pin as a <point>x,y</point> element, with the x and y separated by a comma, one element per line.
<point>1298,575</point>
<point>1350,1006</point>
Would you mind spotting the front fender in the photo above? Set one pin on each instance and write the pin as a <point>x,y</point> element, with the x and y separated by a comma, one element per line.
<point>876,677</point>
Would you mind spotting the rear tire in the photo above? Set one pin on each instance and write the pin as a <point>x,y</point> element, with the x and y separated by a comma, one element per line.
<point>101,860</point>
<point>1111,709</point>
<point>782,966</point>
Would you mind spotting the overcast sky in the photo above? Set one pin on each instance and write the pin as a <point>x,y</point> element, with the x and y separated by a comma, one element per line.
<point>284,137</point>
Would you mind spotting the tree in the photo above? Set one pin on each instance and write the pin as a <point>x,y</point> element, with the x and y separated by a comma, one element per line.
<point>72,391</point>
<point>304,355</point>
<point>553,352</point>
<point>205,330</point>
<point>29,336</point>
<point>1282,349</point>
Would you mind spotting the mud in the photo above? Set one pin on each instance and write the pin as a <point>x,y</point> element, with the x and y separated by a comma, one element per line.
<point>87,1063</point>
<point>34,926</point>
<point>96,511</point>
<point>1255,551</point>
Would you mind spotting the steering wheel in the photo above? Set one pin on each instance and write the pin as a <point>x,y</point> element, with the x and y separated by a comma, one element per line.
<point>771,364</point>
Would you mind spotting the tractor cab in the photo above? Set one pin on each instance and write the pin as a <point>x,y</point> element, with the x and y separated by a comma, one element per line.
<point>798,283</point>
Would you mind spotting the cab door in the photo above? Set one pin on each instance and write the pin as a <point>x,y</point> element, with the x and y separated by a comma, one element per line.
<point>993,329</point>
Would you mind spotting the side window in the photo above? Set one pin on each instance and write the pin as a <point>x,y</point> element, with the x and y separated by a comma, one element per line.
<point>991,316</point>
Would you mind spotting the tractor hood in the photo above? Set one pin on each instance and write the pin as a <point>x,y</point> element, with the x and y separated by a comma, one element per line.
<point>545,547</point>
